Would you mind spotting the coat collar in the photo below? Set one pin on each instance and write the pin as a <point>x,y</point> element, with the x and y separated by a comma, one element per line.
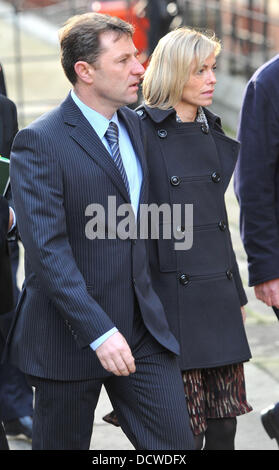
<point>159,115</point>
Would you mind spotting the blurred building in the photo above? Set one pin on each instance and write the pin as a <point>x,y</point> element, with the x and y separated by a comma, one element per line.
<point>248,29</point>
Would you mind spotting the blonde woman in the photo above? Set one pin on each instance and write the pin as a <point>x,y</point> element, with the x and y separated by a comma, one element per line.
<point>191,161</point>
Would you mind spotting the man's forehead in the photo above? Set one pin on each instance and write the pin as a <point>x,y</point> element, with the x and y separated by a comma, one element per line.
<point>112,41</point>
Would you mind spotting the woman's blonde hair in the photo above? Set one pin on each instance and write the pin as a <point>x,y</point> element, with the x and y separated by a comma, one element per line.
<point>171,62</point>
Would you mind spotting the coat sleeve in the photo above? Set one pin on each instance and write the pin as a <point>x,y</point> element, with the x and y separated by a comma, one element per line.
<point>4,220</point>
<point>10,130</point>
<point>38,193</point>
<point>255,182</point>
<point>6,285</point>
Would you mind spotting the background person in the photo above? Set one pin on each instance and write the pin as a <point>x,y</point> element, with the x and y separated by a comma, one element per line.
<point>3,89</point>
<point>257,190</point>
<point>16,396</point>
<point>6,284</point>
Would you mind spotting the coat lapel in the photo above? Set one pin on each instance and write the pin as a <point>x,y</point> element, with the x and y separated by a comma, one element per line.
<point>83,133</point>
<point>227,147</point>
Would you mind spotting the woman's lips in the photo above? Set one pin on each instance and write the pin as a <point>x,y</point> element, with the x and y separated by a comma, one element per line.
<point>208,92</point>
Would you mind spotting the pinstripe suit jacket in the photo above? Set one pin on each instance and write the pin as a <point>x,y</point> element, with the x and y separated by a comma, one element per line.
<point>75,289</point>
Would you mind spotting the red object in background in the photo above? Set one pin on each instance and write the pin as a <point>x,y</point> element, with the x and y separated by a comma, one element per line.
<point>127,11</point>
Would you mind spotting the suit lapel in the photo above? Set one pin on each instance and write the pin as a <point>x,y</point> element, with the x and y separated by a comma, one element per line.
<point>83,133</point>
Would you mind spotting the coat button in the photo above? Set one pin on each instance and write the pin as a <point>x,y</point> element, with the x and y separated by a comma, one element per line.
<point>204,129</point>
<point>216,178</point>
<point>162,133</point>
<point>229,274</point>
<point>175,181</point>
<point>140,112</point>
<point>184,279</point>
<point>222,225</point>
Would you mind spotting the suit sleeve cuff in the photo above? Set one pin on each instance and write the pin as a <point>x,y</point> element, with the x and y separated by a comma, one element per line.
<point>102,338</point>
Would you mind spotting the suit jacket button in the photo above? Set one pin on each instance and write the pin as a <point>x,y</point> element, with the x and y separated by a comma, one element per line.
<point>216,178</point>
<point>229,274</point>
<point>222,225</point>
<point>184,279</point>
<point>175,181</point>
<point>162,133</point>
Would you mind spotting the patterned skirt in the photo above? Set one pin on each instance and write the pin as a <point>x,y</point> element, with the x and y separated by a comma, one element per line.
<point>214,393</point>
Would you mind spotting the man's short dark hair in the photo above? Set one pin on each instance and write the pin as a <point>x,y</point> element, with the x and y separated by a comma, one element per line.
<point>80,38</point>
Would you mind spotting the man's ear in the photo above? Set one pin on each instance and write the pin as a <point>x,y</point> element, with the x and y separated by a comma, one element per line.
<point>84,71</point>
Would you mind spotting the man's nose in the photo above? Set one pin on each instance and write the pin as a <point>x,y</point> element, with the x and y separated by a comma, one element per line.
<point>138,69</point>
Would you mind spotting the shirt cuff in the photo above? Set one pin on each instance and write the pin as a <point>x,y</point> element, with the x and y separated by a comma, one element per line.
<point>14,220</point>
<point>102,338</point>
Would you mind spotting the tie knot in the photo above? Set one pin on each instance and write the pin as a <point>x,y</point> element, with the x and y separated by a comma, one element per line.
<point>112,133</point>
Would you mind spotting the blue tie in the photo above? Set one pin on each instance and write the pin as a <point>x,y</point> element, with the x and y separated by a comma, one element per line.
<point>112,138</point>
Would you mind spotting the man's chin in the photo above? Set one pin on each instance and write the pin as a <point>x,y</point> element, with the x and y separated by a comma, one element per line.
<point>129,100</point>
<point>133,99</point>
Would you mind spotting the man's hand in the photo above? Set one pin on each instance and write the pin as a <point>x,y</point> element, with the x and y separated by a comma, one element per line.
<point>243,312</point>
<point>268,292</point>
<point>11,219</point>
<point>115,355</point>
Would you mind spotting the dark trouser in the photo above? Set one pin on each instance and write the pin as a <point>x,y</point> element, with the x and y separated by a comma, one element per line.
<point>3,440</point>
<point>16,396</point>
<point>150,404</point>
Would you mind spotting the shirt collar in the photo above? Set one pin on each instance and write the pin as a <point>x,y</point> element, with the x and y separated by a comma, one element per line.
<point>99,122</point>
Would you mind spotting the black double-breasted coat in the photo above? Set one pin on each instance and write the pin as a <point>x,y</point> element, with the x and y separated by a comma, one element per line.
<point>200,287</point>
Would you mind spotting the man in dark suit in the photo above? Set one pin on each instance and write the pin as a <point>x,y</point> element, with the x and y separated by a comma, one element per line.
<point>6,285</point>
<point>2,82</point>
<point>8,125</point>
<point>16,396</point>
<point>88,315</point>
<point>257,189</point>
